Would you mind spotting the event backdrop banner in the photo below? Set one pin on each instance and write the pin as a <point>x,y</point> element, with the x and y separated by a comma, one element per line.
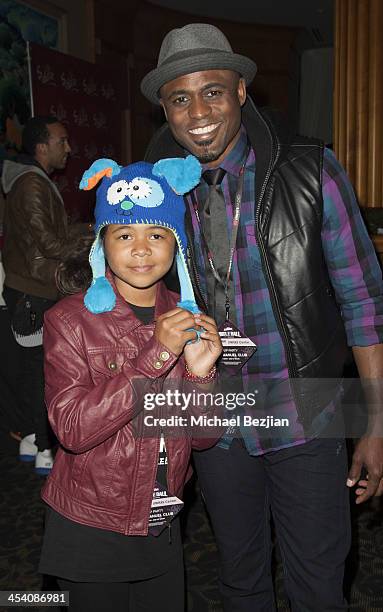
<point>86,99</point>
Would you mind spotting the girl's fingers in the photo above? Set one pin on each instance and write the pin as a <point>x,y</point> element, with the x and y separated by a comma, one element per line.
<point>208,325</point>
<point>191,336</point>
<point>211,337</point>
<point>178,314</point>
<point>205,318</point>
<point>180,321</point>
<point>170,313</point>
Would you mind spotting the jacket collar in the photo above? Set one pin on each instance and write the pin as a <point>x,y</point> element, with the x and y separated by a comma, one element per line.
<point>29,160</point>
<point>13,170</point>
<point>124,317</point>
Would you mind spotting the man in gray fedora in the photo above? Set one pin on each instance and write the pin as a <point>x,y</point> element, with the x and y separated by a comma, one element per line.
<point>280,257</point>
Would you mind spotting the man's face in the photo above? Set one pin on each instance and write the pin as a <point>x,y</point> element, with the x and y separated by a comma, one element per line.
<point>204,112</point>
<point>57,149</point>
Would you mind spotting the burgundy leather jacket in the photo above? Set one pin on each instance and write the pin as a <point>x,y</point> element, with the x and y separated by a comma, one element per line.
<point>97,368</point>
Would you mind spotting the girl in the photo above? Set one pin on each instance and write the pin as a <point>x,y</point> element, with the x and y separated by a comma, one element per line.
<point>115,486</point>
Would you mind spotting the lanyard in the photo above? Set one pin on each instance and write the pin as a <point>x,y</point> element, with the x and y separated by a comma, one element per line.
<point>233,237</point>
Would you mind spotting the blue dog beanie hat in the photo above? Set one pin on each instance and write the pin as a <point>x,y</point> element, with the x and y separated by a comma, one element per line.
<point>140,193</point>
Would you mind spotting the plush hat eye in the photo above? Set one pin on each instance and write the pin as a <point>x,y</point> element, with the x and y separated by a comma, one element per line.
<point>145,192</point>
<point>117,192</point>
<point>139,189</point>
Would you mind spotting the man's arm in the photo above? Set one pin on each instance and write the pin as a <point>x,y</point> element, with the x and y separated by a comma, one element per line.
<point>357,280</point>
<point>33,203</point>
<point>369,450</point>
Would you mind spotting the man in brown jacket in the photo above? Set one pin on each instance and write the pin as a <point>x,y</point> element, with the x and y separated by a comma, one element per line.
<point>35,239</point>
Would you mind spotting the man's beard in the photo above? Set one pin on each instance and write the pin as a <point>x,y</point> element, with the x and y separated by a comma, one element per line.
<point>206,156</point>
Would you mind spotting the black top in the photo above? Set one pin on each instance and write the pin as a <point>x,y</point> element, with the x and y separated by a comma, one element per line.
<point>88,554</point>
<point>144,313</point>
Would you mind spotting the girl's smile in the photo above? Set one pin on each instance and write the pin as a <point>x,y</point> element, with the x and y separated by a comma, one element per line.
<point>141,269</point>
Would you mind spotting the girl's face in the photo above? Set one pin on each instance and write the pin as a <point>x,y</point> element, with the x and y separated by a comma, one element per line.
<point>138,256</point>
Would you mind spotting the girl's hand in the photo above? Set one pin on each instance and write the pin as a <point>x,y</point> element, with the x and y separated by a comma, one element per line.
<point>171,329</point>
<point>201,356</point>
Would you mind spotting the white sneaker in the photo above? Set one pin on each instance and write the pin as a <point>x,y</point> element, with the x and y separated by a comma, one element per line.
<point>44,462</point>
<point>28,449</point>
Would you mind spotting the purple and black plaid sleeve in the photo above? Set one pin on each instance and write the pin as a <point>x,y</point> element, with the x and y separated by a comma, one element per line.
<point>351,260</point>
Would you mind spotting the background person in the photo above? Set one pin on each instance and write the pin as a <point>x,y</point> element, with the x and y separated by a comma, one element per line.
<point>36,234</point>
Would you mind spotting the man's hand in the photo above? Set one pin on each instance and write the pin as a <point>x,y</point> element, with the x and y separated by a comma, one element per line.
<point>369,454</point>
<point>369,450</point>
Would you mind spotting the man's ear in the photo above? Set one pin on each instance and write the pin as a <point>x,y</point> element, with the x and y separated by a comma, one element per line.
<point>241,91</point>
<point>41,148</point>
<point>164,109</point>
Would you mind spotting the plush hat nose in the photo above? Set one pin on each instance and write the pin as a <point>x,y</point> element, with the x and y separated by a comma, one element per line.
<point>126,205</point>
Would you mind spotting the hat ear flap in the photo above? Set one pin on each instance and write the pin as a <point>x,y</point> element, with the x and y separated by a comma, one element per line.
<point>99,169</point>
<point>100,296</point>
<point>187,294</point>
<point>181,174</point>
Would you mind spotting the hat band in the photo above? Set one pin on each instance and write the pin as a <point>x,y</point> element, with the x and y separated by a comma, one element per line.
<point>188,53</point>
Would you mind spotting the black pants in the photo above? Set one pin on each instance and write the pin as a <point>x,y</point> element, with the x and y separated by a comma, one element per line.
<point>30,377</point>
<point>163,593</point>
<point>11,415</point>
<point>304,487</point>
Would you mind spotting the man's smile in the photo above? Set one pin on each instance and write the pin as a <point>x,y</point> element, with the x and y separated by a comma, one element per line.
<point>207,129</point>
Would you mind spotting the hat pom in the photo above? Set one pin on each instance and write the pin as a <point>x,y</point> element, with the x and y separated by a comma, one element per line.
<point>100,296</point>
<point>181,174</point>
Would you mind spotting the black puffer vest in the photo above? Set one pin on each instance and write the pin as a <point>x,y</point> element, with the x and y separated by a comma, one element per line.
<point>288,212</point>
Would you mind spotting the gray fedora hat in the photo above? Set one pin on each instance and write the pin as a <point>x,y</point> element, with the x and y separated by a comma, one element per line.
<point>195,47</point>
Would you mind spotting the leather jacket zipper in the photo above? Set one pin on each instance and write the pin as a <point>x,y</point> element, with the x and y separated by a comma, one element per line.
<point>293,372</point>
<point>137,454</point>
<point>167,488</point>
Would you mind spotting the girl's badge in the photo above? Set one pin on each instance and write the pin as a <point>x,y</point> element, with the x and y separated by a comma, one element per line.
<point>237,348</point>
<point>164,509</point>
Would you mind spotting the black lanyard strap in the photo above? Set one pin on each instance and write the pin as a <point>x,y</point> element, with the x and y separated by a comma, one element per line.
<point>233,237</point>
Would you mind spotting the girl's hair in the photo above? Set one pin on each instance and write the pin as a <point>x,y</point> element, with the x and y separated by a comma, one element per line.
<point>74,274</point>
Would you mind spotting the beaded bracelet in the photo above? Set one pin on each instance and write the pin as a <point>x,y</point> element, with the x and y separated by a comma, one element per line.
<point>200,379</point>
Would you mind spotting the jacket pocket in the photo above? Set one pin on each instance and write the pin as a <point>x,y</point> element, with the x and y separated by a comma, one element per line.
<point>78,466</point>
<point>107,362</point>
<point>97,473</point>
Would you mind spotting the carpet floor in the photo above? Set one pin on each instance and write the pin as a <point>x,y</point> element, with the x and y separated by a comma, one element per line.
<point>21,525</point>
